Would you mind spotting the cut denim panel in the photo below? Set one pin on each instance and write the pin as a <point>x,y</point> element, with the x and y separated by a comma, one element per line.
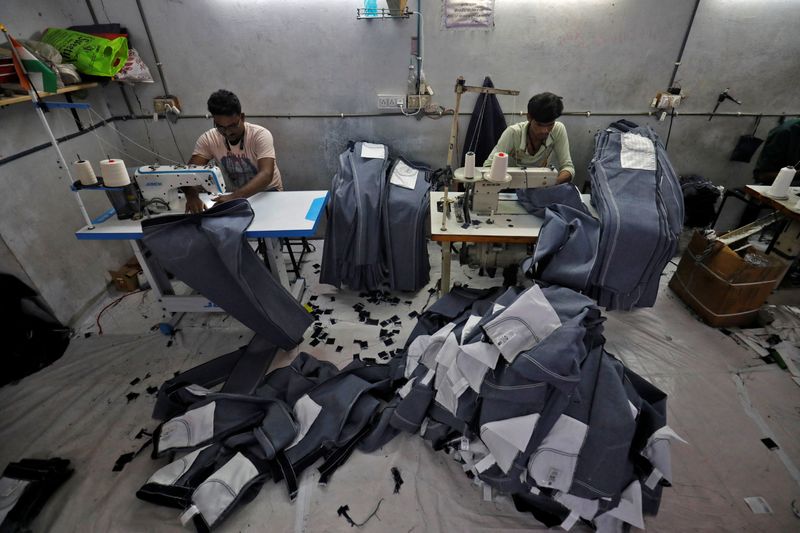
<point>553,463</point>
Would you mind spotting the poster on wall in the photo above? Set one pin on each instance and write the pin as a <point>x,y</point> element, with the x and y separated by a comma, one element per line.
<point>468,14</point>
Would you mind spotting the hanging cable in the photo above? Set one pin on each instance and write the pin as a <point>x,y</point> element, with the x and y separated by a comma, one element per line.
<point>134,142</point>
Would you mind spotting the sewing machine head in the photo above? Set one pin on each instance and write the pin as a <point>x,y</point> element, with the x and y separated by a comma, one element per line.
<point>160,185</point>
<point>487,196</point>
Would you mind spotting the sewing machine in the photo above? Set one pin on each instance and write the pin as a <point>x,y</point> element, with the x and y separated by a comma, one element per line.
<point>160,185</point>
<point>485,196</point>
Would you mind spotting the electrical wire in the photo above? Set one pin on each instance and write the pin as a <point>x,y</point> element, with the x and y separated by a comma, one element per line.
<point>113,304</point>
<point>131,140</point>
<point>169,125</point>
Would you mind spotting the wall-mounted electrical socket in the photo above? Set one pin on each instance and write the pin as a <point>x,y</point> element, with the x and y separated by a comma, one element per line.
<point>391,101</point>
<point>415,101</point>
<point>160,103</point>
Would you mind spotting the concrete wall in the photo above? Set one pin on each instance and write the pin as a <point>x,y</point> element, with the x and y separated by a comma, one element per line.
<point>313,57</point>
<point>607,57</point>
<point>38,214</point>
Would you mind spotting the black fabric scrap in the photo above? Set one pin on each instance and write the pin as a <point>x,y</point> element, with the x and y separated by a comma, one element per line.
<point>122,460</point>
<point>152,390</point>
<point>330,340</point>
<point>342,511</point>
<point>132,396</point>
<point>134,381</point>
<point>398,479</point>
<point>339,349</point>
<point>314,342</point>
<point>372,321</point>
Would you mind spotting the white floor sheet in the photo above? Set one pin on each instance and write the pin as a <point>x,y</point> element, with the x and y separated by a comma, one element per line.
<point>722,400</point>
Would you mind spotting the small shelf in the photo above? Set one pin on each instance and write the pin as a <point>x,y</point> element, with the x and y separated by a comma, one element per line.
<point>26,98</point>
<point>382,13</point>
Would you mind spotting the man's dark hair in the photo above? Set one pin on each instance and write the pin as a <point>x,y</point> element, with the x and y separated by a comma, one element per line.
<point>225,103</point>
<point>545,107</point>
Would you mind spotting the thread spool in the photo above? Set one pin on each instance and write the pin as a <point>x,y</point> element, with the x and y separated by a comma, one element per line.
<point>499,167</point>
<point>84,172</point>
<point>780,187</point>
<point>114,173</point>
<point>469,165</point>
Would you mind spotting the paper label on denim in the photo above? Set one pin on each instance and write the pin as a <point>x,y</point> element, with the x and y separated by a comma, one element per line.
<point>637,152</point>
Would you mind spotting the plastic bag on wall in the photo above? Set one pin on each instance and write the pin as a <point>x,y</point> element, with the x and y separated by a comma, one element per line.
<point>135,70</point>
<point>91,55</point>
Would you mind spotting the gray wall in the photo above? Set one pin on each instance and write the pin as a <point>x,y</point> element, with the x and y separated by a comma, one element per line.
<point>313,57</point>
<point>38,214</point>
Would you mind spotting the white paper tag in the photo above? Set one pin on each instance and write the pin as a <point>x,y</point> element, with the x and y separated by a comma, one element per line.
<point>404,176</point>
<point>423,427</point>
<point>373,151</point>
<point>758,505</point>
<point>487,493</point>
<point>189,514</point>
<point>653,479</point>
<point>464,444</point>
<point>570,521</point>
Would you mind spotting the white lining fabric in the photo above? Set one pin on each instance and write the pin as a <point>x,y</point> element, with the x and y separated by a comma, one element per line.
<point>10,492</point>
<point>524,324</point>
<point>169,474</point>
<point>216,493</point>
<point>306,412</point>
<point>189,429</point>
<point>506,438</point>
<point>553,464</point>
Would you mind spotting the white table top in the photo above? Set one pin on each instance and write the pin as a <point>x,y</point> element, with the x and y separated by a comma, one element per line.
<point>790,204</point>
<point>277,214</point>
<point>522,227</point>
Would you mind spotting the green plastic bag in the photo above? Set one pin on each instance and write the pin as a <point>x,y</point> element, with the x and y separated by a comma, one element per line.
<point>90,54</point>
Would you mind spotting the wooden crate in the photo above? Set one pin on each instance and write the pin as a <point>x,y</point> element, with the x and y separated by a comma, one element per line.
<point>721,287</point>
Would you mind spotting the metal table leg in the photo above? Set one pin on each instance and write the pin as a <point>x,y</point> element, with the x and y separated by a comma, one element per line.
<point>444,286</point>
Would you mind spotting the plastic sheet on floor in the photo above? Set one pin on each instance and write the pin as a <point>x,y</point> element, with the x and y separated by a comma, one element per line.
<point>78,408</point>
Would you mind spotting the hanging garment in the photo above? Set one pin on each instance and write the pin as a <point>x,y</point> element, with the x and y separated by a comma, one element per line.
<point>210,253</point>
<point>486,125</point>
<point>406,242</point>
<point>638,197</point>
<point>354,253</point>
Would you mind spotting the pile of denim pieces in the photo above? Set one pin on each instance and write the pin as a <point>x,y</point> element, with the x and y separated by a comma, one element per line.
<point>517,386</point>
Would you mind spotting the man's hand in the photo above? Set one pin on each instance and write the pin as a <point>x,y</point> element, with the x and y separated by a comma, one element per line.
<point>193,202</point>
<point>222,198</point>
<point>563,177</point>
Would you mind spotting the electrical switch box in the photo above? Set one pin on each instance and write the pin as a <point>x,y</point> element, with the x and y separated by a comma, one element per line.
<point>391,101</point>
<point>160,103</point>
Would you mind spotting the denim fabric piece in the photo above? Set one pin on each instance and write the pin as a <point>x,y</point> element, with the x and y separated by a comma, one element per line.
<point>353,253</point>
<point>210,253</point>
